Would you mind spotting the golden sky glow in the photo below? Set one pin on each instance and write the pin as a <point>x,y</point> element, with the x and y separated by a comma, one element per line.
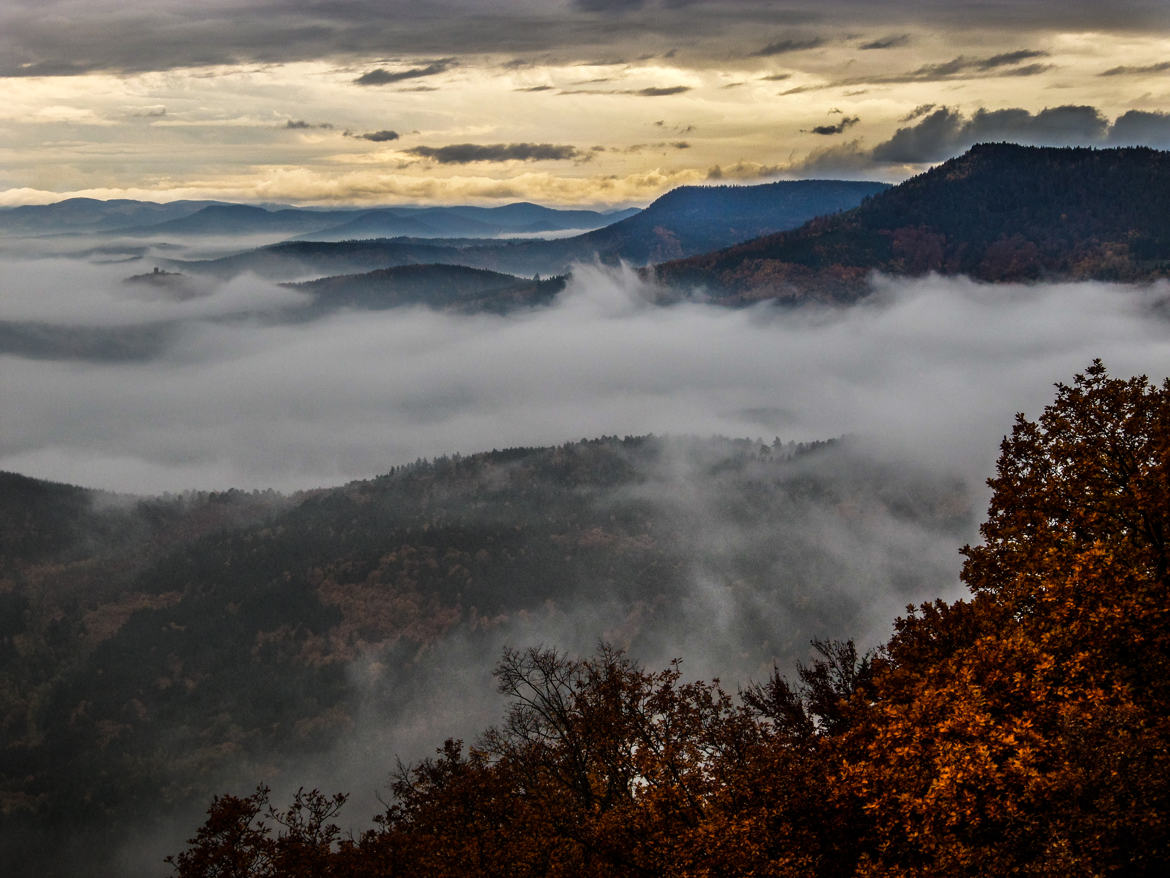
<point>589,103</point>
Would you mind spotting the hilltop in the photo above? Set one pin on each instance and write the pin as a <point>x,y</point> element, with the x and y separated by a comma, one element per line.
<point>998,213</point>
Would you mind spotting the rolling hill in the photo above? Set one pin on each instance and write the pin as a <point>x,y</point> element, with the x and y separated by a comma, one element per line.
<point>153,648</point>
<point>442,287</point>
<point>685,221</point>
<point>999,213</point>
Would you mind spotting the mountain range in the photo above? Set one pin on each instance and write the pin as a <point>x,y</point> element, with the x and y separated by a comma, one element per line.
<point>688,220</point>
<point>999,213</point>
<point>125,217</point>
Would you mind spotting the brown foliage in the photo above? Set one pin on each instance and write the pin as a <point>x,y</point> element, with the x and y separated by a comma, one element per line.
<point>1024,731</point>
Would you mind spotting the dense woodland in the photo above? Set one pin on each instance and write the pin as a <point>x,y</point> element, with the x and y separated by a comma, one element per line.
<point>998,213</point>
<point>155,650</point>
<point>1023,730</point>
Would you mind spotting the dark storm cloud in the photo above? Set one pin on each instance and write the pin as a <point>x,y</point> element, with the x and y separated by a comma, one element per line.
<point>1148,68</point>
<point>886,42</point>
<point>380,76</point>
<point>839,128</point>
<point>466,153</point>
<point>782,47</point>
<point>301,124</point>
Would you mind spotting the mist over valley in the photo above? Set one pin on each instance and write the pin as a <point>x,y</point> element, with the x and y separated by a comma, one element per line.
<point>271,513</point>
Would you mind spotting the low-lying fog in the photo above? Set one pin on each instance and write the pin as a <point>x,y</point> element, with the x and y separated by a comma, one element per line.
<point>149,388</point>
<point>145,389</point>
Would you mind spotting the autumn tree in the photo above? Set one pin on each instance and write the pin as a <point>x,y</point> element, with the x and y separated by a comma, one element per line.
<point>246,837</point>
<point>1025,731</point>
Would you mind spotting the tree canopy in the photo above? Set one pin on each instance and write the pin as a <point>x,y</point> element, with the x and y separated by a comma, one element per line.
<point>1022,731</point>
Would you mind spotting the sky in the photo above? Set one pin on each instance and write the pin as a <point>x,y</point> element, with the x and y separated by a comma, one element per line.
<point>562,102</point>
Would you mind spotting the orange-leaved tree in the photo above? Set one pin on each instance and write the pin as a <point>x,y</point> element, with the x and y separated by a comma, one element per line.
<point>1026,731</point>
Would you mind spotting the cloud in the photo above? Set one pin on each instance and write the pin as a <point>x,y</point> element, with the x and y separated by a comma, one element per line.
<point>839,128</point>
<point>945,132</point>
<point>657,92</point>
<point>535,88</point>
<point>377,136</point>
<point>252,403</point>
<point>380,76</point>
<point>301,124</point>
<point>1003,64</point>
<point>939,133</point>
<point>59,38</point>
<point>1160,67</point>
<point>1140,128</point>
<point>918,112</point>
<point>891,42</point>
<point>465,153</point>
<point>792,44</point>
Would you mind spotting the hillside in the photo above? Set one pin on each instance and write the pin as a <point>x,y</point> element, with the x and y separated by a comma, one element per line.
<point>689,219</point>
<point>444,287</point>
<point>685,221</point>
<point>999,213</point>
<point>153,647</point>
<point>1020,731</point>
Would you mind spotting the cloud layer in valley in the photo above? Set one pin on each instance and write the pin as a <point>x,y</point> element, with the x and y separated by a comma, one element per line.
<point>935,367</point>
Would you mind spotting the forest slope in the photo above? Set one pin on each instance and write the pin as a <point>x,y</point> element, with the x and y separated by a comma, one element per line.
<point>999,213</point>
<point>236,634</point>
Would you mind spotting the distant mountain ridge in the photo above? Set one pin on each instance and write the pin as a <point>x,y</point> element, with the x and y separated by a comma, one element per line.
<point>685,221</point>
<point>92,215</point>
<point>999,213</point>
<point>146,218</point>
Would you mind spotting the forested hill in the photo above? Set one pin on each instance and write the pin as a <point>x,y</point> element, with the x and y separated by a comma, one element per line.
<point>442,287</point>
<point>685,221</point>
<point>999,213</point>
<point>1022,731</point>
<point>154,649</point>
<point>691,219</point>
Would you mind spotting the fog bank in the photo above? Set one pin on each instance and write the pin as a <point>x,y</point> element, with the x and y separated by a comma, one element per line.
<point>933,369</point>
